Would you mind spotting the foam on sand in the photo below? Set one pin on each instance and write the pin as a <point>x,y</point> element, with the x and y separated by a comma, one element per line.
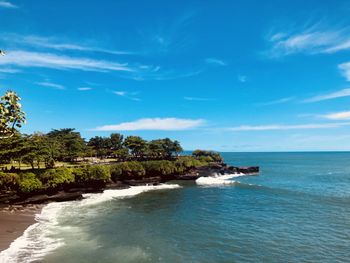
<point>39,239</point>
<point>218,179</point>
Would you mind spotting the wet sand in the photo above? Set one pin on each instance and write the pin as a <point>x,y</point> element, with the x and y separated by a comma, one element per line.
<point>14,220</point>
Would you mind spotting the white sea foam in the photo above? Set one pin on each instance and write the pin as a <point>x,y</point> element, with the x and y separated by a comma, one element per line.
<point>91,199</point>
<point>39,239</point>
<point>218,179</point>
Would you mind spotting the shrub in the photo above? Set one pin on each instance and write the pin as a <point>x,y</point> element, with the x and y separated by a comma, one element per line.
<point>186,163</point>
<point>54,178</point>
<point>127,170</point>
<point>214,155</point>
<point>159,168</point>
<point>29,183</point>
<point>93,173</point>
<point>8,181</point>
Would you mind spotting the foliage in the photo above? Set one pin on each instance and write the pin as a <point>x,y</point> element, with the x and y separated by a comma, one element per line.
<point>164,148</point>
<point>106,146</point>
<point>215,156</point>
<point>11,114</point>
<point>29,183</point>
<point>8,181</point>
<point>159,168</point>
<point>67,144</point>
<point>127,170</point>
<point>92,173</point>
<point>53,178</point>
<point>136,145</point>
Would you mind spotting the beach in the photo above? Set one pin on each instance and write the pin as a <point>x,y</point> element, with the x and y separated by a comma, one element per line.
<point>14,220</point>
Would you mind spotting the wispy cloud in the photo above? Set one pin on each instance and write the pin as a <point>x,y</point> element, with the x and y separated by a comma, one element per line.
<point>198,99</point>
<point>288,127</point>
<point>127,95</point>
<point>343,115</point>
<point>163,124</point>
<point>49,60</point>
<point>57,44</point>
<point>84,88</point>
<point>51,85</point>
<point>278,101</point>
<point>6,4</point>
<point>345,69</point>
<point>313,39</point>
<point>242,78</point>
<point>9,70</point>
<point>329,96</point>
<point>215,61</point>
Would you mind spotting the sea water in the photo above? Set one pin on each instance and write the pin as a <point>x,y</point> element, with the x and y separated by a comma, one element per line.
<point>296,210</point>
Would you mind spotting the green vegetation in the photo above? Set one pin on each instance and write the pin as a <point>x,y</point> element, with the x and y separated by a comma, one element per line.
<point>93,173</point>
<point>96,175</point>
<point>55,178</point>
<point>208,156</point>
<point>11,114</point>
<point>29,183</point>
<point>8,181</point>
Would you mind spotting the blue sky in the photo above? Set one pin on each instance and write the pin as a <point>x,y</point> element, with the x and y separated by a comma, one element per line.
<point>228,75</point>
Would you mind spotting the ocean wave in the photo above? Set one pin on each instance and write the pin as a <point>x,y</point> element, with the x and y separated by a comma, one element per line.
<point>218,179</point>
<point>107,195</point>
<point>39,239</point>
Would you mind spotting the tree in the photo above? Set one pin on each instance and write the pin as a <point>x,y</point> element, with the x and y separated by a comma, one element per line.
<point>71,145</point>
<point>208,155</point>
<point>136,145</point>
<point>39,149</point>
<point>101,145</point>
<point>164,148</point>
<point>11,114</point>
<point>116,141</point>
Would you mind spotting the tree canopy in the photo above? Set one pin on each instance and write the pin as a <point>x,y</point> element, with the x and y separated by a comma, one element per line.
<point>11,114</point>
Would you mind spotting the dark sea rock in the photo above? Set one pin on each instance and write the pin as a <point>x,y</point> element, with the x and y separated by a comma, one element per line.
<point>59,197</point>
<point>144,181</point>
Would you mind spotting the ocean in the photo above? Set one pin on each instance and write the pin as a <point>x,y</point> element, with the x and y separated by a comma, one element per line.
<point>296,210</point>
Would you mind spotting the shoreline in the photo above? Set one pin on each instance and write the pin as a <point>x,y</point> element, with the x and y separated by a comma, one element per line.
<point>14,220</point>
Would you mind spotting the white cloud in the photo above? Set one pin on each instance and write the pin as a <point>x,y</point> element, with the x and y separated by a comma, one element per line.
<point>84,88</point>
<point>9,70</point>
<point>49,60</point>
<point>198,99</point>
<point>128,95</point>
<point>51,85</point>
<point>162,124</point>
<point>54,43</point>
<point>311,40</point>
<point>345,68</point>
<point>242,78</point>
<point>216,61</point>
<point>288,127</point>
<point>343,115</point>
<point>6,4</point>
<point>333,95</point>
<point>279,101</point>
<point>120,93</point>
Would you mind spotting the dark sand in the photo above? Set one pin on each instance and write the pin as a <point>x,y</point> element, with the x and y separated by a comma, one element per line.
<point>14,220</point>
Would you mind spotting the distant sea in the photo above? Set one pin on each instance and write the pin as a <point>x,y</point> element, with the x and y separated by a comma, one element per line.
<point>296,210</point>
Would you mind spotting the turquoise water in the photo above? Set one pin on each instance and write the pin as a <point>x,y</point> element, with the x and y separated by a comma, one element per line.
<point>297,210</point>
